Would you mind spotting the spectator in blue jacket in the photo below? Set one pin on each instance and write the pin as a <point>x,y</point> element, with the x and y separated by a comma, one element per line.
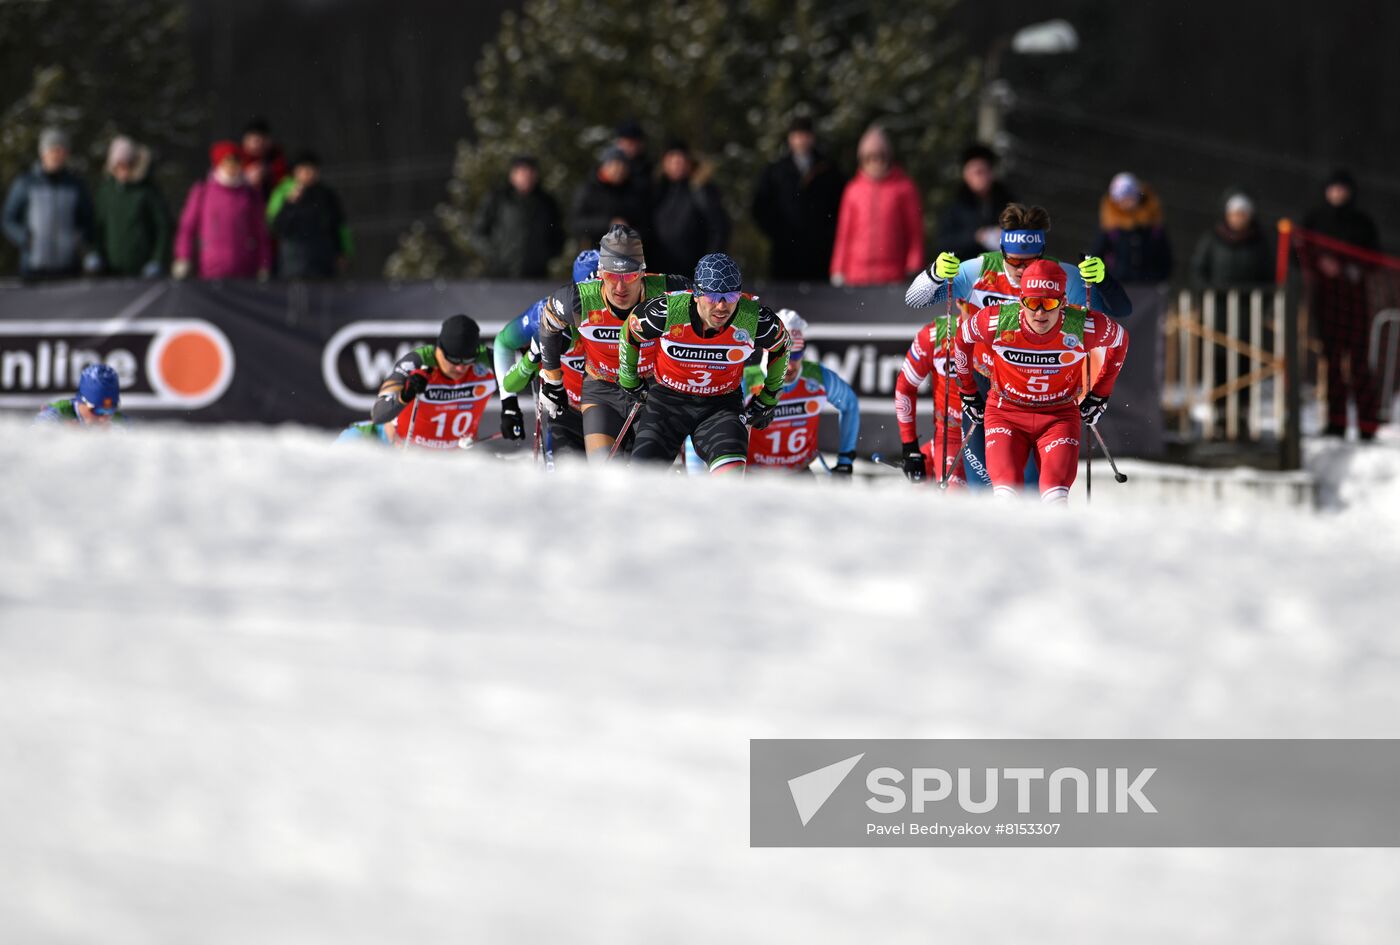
<point>48,215</point>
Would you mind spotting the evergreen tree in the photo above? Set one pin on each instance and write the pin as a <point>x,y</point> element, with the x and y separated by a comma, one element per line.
<point>96,68</point>
<point>725,76</point>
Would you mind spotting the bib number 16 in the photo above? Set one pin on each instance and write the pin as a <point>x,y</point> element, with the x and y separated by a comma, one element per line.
<point>796,441</point>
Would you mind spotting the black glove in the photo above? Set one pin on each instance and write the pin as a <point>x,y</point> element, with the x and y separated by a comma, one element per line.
<point>914,469</point>
<point>758,413</point>
<point>1092,407</point>
<point>975,406</point>
<point>554,398</point>
<point>844,465</point>
<point>416,383</point>
<point>512,420</point>
<point>636,396</point>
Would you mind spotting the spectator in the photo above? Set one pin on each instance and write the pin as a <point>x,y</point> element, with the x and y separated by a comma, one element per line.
<point>517,230</point>
<point>48,215</point>
<point>970,225</point>
<point>1338,300</point>
<point>1132,240</point>
<point>264,164</point>
<point>880,230</point>
<point>632,140</point>
<point>222,232</point>
<point>1235,252</point>
<point>608,199</point>
<point>305,216</point>
<point>795,205</point>
<point>690,219</point>
<point>134,228</point>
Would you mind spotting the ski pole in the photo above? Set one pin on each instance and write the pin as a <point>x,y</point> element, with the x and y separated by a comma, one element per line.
<point>1117,476</point>
<point>823,461</point>
<point>412,417</point>
<point>626,425</point>
<point>943,473</point>
<point>1089,473</point>
<point>539,423</point>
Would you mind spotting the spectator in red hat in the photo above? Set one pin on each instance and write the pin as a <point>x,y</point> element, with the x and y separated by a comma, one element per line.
<point>222,233</point>
<point>1039,345</point>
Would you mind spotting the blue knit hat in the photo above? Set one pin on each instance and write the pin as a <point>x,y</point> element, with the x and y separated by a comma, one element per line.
<point>99,387</point>
<point>717,273</point>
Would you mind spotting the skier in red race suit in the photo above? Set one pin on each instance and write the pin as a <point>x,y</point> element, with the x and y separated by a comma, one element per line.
<point>1039,346</point>
<point>931,352</point>
<point>453,381</point>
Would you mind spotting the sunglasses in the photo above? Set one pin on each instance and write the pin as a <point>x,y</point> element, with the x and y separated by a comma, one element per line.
<point>795,355</point>
<point>100,411</point>
<point>626,278</point>
<point>451,360</point>
<point>728,298</point>
<point>1036,304</point>
<point>1019,261</point>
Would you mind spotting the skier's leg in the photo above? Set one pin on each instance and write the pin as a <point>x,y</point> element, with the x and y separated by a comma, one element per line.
<point>1057,447</point>
<point>1007,448</point>
<point>604,409</point>
<point>662,426</point>
<point>720,437</point>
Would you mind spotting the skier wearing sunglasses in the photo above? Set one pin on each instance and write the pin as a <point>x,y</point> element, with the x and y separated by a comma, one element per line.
<point>452,382</point>
<point>1038,350</point>
<point>703,338</point>
<point>988,279</point>
<point>99,395</point>
<point>597,309</point>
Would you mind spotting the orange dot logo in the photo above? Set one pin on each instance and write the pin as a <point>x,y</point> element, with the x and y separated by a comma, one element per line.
<point>811,407</point>
<point>1067,357</point>
<point>735,355</point>
<point>190,363</point>
<point>479,390</point>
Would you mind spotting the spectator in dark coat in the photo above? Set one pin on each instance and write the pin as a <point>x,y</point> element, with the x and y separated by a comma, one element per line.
<point>517,229</point>
<point>1235,252</point>
<point>796,204</point>
<point>969,226</point>
<point>632,141</point>
<point>134,228</point>
<point>690,221</point>
<point>1132,239</point>
<point>607,199</point>
<point>48,215</point>
<point>1337,297</point>
<point>306,217</point>
<point>264,164</point>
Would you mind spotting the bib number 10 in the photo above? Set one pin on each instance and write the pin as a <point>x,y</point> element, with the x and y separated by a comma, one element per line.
<point>797,439</point>
<point>461,423</point>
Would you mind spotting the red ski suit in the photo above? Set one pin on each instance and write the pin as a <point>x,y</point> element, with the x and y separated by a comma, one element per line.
<point>929,353</point>
<point>1036,382</point>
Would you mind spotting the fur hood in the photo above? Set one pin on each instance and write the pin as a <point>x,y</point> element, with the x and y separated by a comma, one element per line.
<point>1147,213</point>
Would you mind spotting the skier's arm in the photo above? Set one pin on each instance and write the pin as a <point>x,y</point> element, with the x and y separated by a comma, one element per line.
<point>515,336</point>
<point>1100,332</point>
<point>388,404</point>
<point>773,338</point>
<point>927,289</point>
<point>557,316</point>
<point>840,395</point>
<point>646,323</point>
<point>918,363</point>
<point>971,332</point>
<point>519,377</point>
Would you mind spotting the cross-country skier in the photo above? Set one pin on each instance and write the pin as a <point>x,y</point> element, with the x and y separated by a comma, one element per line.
<point>702,339</point>
<point>931,353</point>
<point>790,441</point>
<point>95,404</point>
<point>452,381</point>
<point>1037,347</point>
<point>521,335</point>
<point>996,277</point>
<point>597,309</point>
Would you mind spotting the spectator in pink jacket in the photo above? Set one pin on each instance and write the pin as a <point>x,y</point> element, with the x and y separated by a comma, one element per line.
<point>222,228</point>
<point>880,229</point>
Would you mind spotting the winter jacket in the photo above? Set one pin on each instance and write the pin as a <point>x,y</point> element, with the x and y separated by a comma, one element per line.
<point>222,231</point>
<point>968,213</point>
<point>1345,223</point>
<point>1133,243</point>
<point>689,221</point>
<point>517,234</point>
<point>134,229</point>
<point>797,211</point>
<point>49,217</point>
<point>1225,258</point>
<point>310,231</point>
<point>597,203</point>
<point>880,230</point>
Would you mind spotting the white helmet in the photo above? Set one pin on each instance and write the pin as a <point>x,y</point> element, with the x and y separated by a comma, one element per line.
<point>796,326</point>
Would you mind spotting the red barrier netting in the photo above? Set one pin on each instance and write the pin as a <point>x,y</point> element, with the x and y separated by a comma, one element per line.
<point>1351,315</point>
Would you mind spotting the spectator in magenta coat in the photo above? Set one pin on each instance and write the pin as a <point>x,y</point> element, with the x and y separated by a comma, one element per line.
<point>880,229</point>
<point>223,234</point>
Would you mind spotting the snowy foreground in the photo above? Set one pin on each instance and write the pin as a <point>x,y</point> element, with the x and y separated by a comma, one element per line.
<point>259,689</point>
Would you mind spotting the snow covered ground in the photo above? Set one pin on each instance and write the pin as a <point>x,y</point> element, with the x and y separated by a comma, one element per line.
<point>255,688</point>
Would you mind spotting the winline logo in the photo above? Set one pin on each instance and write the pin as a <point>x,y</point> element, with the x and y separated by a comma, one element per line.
<point>162,363</point>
